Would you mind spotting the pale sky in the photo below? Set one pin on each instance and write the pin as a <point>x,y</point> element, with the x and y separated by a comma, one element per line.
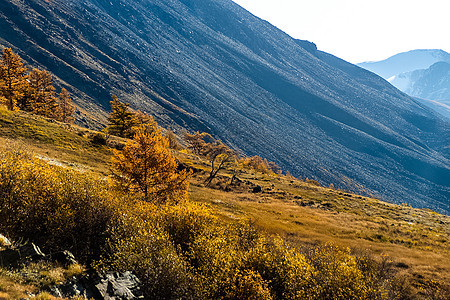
<point>360,30</point>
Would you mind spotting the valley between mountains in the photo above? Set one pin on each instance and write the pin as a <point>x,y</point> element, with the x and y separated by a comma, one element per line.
<point>214,67</point>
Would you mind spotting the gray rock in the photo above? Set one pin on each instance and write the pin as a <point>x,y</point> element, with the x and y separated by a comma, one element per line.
<point>74,288</point>
<point>123,286</point>
<point>112,286</point>
<point>31,251</point>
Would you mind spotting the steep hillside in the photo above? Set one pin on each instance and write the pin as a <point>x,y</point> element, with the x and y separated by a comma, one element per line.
<point>212,66</point>
<point>432,83</point>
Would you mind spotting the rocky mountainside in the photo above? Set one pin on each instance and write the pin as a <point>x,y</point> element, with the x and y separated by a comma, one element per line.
<point>212,66</point>
<point>424,74</point>
<point>432,84</point>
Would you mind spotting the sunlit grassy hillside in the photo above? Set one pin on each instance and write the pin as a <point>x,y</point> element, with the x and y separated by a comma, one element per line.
<point>415,242</point>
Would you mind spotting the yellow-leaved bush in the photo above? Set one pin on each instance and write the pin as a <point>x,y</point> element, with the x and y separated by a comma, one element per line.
<point>52,206</point>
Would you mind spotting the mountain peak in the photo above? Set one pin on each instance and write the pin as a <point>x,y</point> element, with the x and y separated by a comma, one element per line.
<point>406,62</point>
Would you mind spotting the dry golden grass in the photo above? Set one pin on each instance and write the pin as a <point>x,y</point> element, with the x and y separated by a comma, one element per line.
<point>30,279</point>
<point>59,143</point>
<point>11,289</point>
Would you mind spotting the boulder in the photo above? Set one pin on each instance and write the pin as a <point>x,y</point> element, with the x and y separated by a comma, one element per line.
<point>31,251</point>
<point>112,286</point>
<point>12,257</point>
<point>125,286</point>
<point>80,287</point>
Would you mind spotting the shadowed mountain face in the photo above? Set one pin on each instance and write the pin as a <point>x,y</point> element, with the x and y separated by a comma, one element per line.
<point>210,65</point>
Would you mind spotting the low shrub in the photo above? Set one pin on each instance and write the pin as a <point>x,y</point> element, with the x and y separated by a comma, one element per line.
<point>98,139</point>
<point>57,208</point>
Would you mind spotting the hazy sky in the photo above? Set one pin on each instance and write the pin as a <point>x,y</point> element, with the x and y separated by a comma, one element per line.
<point>360,30</point>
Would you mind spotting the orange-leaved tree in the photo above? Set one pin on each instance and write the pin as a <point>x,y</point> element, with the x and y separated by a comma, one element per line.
<point>197,141</point>
<point>147,166</point>
<point>173,141</point>
<point>42,94</point>
<point>12,78</point>
<point>220,157</point>
<point>122,121</point>
<point>65,107</point>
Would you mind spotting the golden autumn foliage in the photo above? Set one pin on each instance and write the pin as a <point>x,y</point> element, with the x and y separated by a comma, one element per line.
<point>260,165</point>
<point>220,156</point>
<point>173,141</point>
<point>54,207</point>
<point>12,79</point>
<point>197,141</point>
<point>146,166</point>
<point>33,91</point>
<point>121,121</point>
<point>66,110</point>
<point>42,94</point>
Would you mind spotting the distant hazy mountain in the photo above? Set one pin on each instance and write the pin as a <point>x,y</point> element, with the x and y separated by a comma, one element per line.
<point>406,62</point>
<point>424,74</point>
<point>210,65</point>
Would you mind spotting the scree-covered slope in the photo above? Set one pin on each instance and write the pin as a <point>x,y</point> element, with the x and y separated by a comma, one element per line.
<point>210,65</point>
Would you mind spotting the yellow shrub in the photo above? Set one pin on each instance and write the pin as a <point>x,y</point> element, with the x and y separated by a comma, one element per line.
<point>340,275</point>
<point>56,208</point>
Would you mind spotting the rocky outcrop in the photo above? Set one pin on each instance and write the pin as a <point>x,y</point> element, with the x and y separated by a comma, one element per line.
<point>65,258</point>
<point>123,286</point>
<point>110,286</point>
<point>12,256</point>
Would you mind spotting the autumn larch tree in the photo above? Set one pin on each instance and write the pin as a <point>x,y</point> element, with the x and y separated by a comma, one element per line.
<point>12,78</point>
<point>147,166</point>
<point>65,107</point>
<point>42,94</point>
<point>197,142</point>
<point>121,120</point>
<point>173,142</point>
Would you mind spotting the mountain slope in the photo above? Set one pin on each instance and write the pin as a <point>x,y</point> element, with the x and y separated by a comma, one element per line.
<point>432,83</point>
<point>424,74</point>
<point>212,66</point>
